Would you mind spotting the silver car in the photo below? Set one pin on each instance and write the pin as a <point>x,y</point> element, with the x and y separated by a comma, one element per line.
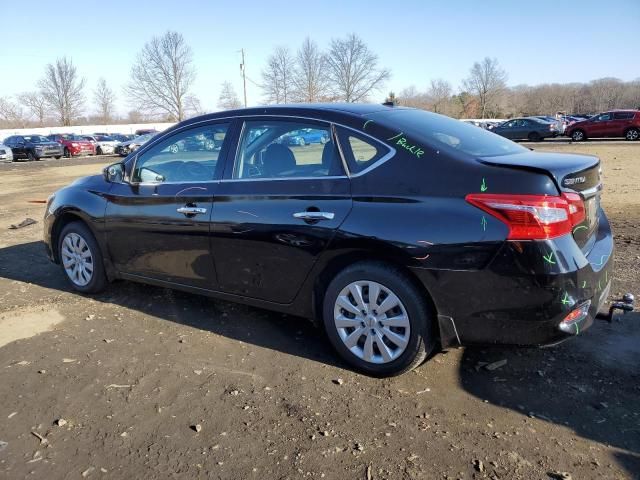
<point>104,144</point>
<point>6,154</point>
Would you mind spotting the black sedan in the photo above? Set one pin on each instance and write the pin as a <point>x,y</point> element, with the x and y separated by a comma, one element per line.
<point>530,128</point>
<point>407,231</point>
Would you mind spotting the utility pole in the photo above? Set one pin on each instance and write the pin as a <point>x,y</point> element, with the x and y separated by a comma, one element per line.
<point>244,78</point>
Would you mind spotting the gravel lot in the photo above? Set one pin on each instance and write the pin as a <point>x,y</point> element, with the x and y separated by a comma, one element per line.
<point>144,382</point>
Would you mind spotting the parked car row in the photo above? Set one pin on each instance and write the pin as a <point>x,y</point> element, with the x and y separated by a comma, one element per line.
<point>612,124</point>
<point>57,145</point>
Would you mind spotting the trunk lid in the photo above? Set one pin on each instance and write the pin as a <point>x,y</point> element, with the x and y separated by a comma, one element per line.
<point>571,173</point>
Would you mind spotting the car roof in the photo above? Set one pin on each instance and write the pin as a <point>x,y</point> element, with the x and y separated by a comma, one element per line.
<point>301,109</point>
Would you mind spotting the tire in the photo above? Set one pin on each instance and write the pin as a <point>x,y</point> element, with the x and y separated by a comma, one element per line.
<point>578,135</point>
<point>67,154</point>
<point>302,142</point>
<point>632,134</point>
<point>174,148</point>
<point>58,157</point>
<point>412,308</point>
<point>534,137</point>
<point>98,151</point>
<point>31,157</point>
<point>74,241</point>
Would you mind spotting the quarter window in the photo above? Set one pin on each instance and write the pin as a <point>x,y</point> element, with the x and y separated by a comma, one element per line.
<point>187,156</point>
<point>623,115</point>
<point>360,151</point>
<point>286,149</point>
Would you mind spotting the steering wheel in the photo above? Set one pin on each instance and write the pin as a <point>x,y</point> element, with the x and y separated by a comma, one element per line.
<point>194,170</point>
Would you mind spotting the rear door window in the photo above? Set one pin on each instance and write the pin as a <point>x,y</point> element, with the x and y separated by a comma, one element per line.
<point>284,149</point>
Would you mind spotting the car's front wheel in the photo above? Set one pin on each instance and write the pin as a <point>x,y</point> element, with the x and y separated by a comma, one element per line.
<point>67,153</point>
<point>578,136</point>
<point>81,258</point>
<point>377,319</point>
<point>632,134</point>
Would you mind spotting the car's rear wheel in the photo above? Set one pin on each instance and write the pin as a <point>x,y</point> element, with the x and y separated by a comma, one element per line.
<point>377,319</point>
<point>578,136</point>
<point>31,157</point>
<point>632,134</point>
<point>534,137</point>
<point>58,157</point>
<point>81,258</point>
<point>98,151</point>
<point>67,154</point>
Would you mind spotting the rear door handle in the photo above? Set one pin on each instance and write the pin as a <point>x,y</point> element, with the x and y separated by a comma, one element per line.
<point>307,215</point>
<point>192,210</point>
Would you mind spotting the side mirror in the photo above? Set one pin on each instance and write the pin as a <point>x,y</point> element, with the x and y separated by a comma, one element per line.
<point>114,173</point>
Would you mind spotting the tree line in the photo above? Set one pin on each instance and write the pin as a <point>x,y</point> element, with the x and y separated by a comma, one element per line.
<point>485,94</point>
<point>160,87</point>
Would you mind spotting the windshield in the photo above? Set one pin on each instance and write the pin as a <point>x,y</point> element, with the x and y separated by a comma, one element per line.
<point>144,138</point>
<point>69,136</point>
<point>440,131</point>
<point>36,139</point>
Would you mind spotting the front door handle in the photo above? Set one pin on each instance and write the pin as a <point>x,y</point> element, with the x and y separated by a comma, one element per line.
<point>192,210</point>
<point>310,215</point>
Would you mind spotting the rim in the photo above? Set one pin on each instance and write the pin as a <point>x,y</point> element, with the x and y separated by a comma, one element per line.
<point>77,259</point>
<point>633,134</point>
<point>577,135</point>
<point>372,322</point>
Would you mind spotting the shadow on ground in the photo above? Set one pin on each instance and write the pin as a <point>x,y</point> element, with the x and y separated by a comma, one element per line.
<point>589,384</point>
<point>291,335</point>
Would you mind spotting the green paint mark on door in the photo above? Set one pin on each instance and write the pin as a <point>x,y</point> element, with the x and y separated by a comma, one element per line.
<point>483,186</point>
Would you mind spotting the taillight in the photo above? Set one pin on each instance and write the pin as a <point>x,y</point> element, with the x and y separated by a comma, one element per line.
<point>533,217</point>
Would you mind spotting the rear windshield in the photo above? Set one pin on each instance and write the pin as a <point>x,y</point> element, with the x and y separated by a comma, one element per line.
<point>440,131</point>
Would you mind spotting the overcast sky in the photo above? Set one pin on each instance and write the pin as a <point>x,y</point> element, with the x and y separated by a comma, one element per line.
<point>537,41</point>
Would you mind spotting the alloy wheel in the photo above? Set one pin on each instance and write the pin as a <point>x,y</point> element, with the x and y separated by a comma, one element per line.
<point>372,322</point>
<point>633,134</point>
<point>77,259</point>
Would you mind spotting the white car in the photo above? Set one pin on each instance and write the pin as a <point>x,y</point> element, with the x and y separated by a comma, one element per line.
<point>104,144</point>
<point>6,154</point>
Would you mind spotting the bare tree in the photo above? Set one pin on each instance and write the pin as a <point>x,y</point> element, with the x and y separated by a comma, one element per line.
<point>105,100</point>
<point>162,76</point>
<point>310,77</point>
<point>11,114</point>
<point>353,69</point>
<point>439,95</point>
<point>487,80</point>
<point>277,77</point>
<point>228,99</point>
<point>411,97</point>
<point>62,89</point>
<point>37,105</point>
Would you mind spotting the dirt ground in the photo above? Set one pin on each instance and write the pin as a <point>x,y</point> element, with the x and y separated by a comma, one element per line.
<point>113,386</point>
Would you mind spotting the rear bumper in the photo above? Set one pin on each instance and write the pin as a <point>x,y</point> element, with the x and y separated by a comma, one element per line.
<point>520,298</point>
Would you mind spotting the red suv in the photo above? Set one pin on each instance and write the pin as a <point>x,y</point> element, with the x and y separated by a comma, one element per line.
<point>73,144</point>
<point>617,123</point>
